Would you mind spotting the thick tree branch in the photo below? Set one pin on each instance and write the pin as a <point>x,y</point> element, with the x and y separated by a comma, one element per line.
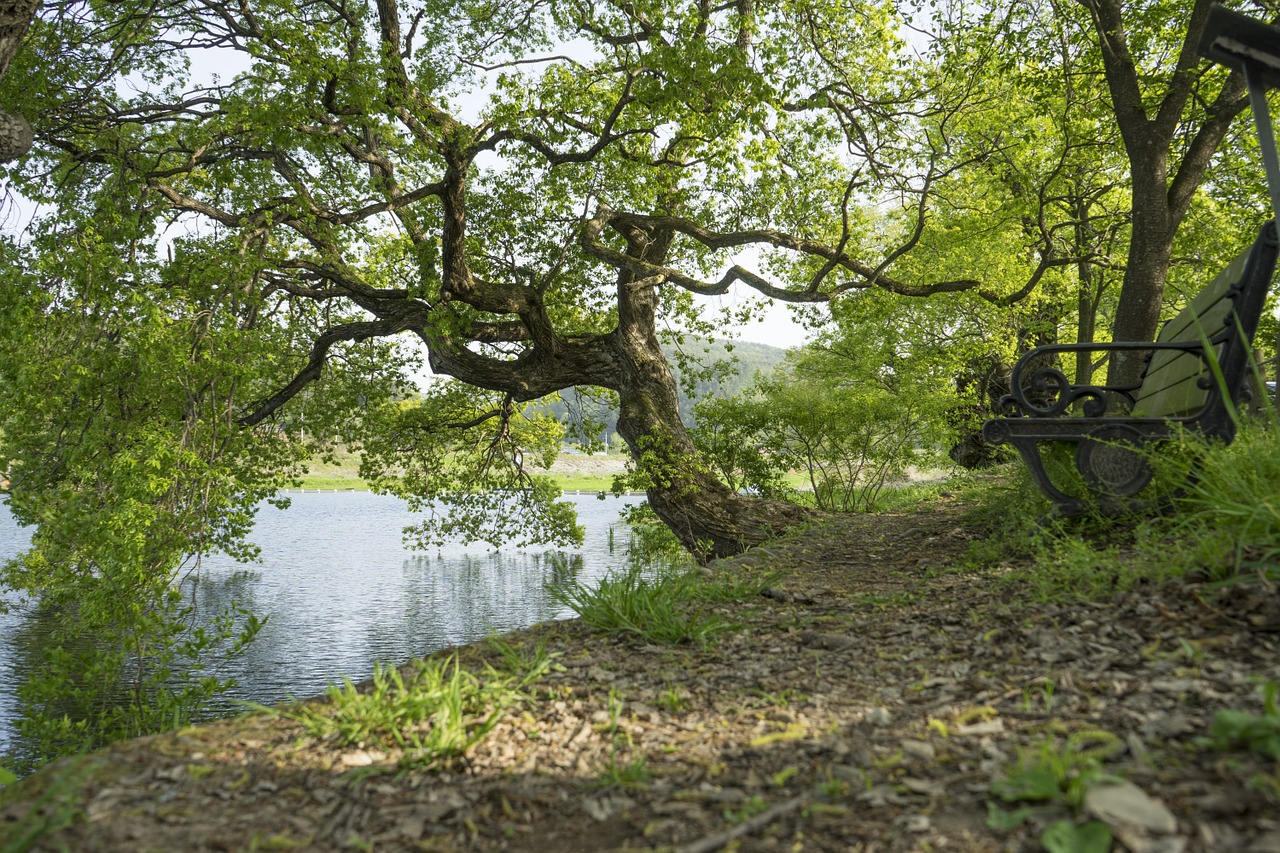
<point>867,276</point>
<point>348,333</point>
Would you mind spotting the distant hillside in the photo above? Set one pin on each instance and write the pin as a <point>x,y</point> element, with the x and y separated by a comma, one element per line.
<point>732,372</point>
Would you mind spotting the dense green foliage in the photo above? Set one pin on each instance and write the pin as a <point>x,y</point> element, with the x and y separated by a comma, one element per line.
<point>1223,528</point>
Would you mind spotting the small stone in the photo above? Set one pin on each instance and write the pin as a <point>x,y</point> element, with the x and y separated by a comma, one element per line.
<point>879,717</point>
<point>1122,805</point>
<point>1173,725</point>
<point>355,758</point>
<point>1176,685</point>
<point>1268,842</point>
<point>883,795</point>
<point>927,787</point>
<point>919,749</point>
<point>1137,841</point>
<point>915,823</point>
<point>990,727</point>
<point>849,773</point>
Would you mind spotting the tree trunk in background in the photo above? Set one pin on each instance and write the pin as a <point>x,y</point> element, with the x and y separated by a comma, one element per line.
<point>1150,249</point>
<point>1153,112</point>
<point>15,131</point>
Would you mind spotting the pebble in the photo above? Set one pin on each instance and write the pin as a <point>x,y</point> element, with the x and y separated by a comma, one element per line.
<point>919,749</point>
<point>879,717</point>
<point>1123,805</point>
<point>1268,842</point>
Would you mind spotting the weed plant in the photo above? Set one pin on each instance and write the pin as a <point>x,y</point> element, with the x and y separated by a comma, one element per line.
<point>910,496</point>
<point>1052,782</point>
<point>429,717</point>
<point>1230,517</point>
<point>1225,520</point>
<point>670,606</point>
<point>54,808</point>
<point>526,664</point>
<point>1258,733</point>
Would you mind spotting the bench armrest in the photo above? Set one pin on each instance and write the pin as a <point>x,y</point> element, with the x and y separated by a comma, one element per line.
<point>1046,392</point>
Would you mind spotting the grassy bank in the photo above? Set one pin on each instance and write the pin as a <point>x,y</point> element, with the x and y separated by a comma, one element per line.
<point>331,481</point>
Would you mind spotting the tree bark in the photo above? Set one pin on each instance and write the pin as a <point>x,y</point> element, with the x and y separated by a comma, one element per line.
<point>1150,251</point>
<point>1159,202</point>
<point>710,519</point>
<point>15,131</point>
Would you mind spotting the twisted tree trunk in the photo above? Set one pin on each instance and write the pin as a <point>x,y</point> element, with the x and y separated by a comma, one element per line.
<point>709,518</point>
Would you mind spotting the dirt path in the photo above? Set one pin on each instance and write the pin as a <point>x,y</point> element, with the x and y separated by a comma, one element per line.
<point>868,703</point>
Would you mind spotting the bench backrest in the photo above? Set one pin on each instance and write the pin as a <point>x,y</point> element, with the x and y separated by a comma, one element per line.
<point>1179,383</point>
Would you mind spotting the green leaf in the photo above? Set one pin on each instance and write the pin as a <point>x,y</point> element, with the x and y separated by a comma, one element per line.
<point>1032,783</point>
<point>1260,734</point>
<point>1065,836</point>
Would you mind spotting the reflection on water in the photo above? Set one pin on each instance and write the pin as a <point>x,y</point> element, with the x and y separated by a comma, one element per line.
<point>13,541</point>
<point>342,593</point>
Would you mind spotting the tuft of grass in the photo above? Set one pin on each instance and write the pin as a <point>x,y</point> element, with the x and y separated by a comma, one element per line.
<point>628,775</point>
<point>1230,521</point>
<point>670,607</point>
<point>55,808</point>
<point>674,699</point>
<point>526,664</point>
<point>656,609</point>
<point>1258,733</point>
<point>430,717</point>
<point>1224,521</point>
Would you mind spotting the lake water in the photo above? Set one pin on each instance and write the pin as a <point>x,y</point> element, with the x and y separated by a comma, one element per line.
<point>342,592</point>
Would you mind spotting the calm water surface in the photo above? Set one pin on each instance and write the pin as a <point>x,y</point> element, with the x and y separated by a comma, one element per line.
<point>342,592</point>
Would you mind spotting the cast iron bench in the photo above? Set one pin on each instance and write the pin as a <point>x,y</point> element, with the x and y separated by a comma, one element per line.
<point>1178,388</point>
<point>1198,373</point>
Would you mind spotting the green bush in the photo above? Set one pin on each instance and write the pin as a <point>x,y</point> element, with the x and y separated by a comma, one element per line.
<point>1230,517</point>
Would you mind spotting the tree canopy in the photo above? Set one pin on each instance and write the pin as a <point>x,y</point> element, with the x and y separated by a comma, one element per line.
<point>538,192</point>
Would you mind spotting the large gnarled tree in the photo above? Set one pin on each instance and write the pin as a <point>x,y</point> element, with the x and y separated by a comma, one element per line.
<point>627,157</point>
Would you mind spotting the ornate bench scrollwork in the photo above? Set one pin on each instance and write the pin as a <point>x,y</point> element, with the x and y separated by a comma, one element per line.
<point>1111,426</point>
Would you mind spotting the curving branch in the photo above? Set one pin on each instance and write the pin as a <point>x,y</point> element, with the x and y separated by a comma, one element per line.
<point>349,332</point>
<point>652,274</point>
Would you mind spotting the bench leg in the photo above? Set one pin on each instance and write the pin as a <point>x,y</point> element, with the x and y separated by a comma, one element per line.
<point>1065,504</point>
<point>1111,460</point>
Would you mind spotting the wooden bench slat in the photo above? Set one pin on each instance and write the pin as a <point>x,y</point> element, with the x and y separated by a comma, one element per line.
<point>1171,385</point>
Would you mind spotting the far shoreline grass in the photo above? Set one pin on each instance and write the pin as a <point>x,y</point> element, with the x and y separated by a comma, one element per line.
<point>352,483</point>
